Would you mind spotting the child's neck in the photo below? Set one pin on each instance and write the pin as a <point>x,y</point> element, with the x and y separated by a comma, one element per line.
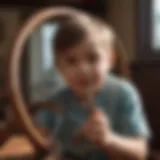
<point>83,97</point>
<point>86,97</point>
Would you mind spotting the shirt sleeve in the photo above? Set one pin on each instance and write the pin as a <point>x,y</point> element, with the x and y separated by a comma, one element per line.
<point>132,120</point>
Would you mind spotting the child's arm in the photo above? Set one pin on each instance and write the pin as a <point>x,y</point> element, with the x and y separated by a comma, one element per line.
<point>132,126</point>
<point>116,146</point>
<point>129,140</point>
<point>126,148</point>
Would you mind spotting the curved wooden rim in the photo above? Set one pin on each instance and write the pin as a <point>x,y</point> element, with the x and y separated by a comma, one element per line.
<point>19,105</point>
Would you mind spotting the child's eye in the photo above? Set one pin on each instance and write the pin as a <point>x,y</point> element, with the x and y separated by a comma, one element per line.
<point>71,60</point>
<point>92,58</point>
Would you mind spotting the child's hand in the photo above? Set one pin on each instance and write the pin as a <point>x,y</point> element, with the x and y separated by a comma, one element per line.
<point>97,128</point>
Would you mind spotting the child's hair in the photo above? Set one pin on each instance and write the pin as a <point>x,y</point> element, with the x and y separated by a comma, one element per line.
<point>75,29</point>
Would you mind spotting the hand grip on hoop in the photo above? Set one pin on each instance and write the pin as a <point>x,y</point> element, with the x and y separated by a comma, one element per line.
<point>94,112</point>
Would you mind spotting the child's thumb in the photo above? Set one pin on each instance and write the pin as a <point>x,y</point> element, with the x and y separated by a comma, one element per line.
<point>97,113</point>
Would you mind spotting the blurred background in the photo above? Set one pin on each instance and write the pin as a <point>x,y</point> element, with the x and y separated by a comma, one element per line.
<point>136,21</point>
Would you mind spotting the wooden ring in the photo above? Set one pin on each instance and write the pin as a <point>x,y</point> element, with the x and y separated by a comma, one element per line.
<point>18,103</point>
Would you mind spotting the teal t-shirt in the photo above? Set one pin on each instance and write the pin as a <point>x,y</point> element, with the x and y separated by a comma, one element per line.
<point>118,99</point>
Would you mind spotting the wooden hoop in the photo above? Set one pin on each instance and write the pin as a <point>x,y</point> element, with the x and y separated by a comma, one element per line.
<point>18,103</point>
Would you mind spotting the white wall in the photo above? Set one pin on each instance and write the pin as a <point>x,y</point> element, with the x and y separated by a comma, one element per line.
<point>43,79</point>
<point>35,57</point>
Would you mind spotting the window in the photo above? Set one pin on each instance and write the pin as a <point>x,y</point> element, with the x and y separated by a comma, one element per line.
<point>48,32</point>
<point>156,24</point>
<point>44,78</point>
<point>148,30</point>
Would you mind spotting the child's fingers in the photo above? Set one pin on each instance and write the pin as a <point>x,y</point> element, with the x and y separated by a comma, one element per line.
<point>83,130</point>
<point>94,134</point>
<point>96,112</point>
<point>96,121</point>
<point>98,118</point>
<point>80,134</point>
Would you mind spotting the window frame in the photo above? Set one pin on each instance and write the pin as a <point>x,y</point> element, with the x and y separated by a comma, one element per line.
<point>145,52</point>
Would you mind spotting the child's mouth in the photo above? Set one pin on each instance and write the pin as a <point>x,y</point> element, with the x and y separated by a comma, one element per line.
<point>83,83</point>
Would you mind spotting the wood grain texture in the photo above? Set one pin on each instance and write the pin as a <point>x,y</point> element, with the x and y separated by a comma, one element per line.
<point>17,147</point>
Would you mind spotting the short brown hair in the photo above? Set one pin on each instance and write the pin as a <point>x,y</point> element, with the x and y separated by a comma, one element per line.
<point>75,29</point>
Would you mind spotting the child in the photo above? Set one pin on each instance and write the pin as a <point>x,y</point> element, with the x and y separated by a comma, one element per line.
<point>87,54</point>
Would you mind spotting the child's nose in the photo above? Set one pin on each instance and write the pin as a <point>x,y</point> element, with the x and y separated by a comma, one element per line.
<point>84,68</point>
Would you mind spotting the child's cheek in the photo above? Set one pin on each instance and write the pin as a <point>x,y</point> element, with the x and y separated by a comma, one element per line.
<point>98,78</point>
<point>70,76</point>
<point>101,70</point>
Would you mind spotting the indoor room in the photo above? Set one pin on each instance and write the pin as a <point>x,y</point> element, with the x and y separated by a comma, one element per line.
<point>45,79</point>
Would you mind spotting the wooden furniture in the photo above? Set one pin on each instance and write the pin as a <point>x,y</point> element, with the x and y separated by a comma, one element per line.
<point>17,147</point>
<point>16,95</point>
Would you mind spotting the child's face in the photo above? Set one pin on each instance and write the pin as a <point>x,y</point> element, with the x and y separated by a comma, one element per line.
<point>85,64</point>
